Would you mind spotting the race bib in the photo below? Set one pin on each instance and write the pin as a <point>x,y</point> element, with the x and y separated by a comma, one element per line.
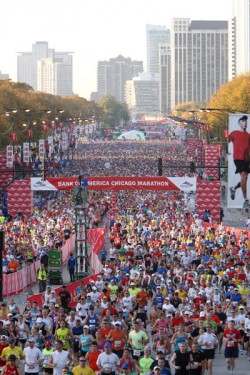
<point>118,343</point>
<point>31,366</point>
<point>136,352</point>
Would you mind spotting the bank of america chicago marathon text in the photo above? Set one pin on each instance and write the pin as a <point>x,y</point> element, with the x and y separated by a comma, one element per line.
<point>115,183</point>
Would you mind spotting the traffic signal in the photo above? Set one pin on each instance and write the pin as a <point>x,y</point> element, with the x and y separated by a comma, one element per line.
<point>159,166</point>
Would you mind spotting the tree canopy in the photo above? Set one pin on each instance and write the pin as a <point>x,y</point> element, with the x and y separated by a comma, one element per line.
<point>21,96</point>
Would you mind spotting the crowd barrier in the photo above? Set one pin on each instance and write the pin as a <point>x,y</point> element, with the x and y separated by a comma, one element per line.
<point>99,236</point>
<point>15,283</point>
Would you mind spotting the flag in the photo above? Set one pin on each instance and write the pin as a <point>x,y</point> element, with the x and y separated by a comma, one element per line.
<point>115,137</point>
<point>138,137</point>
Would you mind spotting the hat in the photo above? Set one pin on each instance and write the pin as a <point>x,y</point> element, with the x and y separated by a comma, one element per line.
<point>92,281</point>
<point>125,365</point>
<point>132,283</point>
<point>160,350</point>
<point>56,305</point>
<point>236,289</point>
<point>107,345</point>
<point>10,314</point>
<point>202,314</point>
<point>11,340</point>
<point>94,288</point>
<point>47,343</point>
<point>157,367</point>
<point>31,339</point>
<point>49,286</point>
<point>87,327</point>
<point>243,118</point>
<point>39,320</point>
<point>3,337</point>
<point>187,312</point>
<point>241,307</point>
<point>117,323</point>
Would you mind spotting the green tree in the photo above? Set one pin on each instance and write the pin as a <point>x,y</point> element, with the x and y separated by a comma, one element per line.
<point>113,112</point>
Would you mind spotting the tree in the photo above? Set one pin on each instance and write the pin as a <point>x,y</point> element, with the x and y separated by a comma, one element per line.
<point>113,112</point>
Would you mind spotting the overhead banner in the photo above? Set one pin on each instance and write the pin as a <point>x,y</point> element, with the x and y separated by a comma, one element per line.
<point>110,183</point>
<point>238,160</point>
<point>9,156</point>
<point>26,152</point>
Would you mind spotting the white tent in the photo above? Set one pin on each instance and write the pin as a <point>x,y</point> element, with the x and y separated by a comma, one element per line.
<point>133,135</point>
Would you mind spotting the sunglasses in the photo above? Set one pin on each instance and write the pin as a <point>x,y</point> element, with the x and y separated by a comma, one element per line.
<point>82,360</point>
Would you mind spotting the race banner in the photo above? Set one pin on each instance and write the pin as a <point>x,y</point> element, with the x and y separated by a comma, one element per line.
<point>51,146</point>
<point>41,148</point>
<point>238,160</point>
<point>26,152</point>
<point>9,156</point>
<point>107,183</point>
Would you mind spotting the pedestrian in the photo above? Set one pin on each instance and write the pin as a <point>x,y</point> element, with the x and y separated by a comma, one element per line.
<point>42,276</point>
<point>232,337</point>
<point>33,358</point>
<point>71,266</point>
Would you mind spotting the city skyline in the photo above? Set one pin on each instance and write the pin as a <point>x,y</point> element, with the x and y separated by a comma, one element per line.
<point>95,31</point>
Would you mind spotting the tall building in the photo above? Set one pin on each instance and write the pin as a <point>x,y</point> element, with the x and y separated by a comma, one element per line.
<point>199,59</point>
<point>239,38</point>
<point>113,74</point>
<point>46,70</point>
<point>142,95</point>
<point>155,35</point>
<point>165,78</point>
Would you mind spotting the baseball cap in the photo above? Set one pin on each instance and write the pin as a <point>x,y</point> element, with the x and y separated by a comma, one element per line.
<point>31,339</point>
<point>47,343</point>
<point>157,367</point>
<point>202,314</point>
<point>39,320</point>
<point>107,345</point>
<point>87,327</point>
<point>11,340</point>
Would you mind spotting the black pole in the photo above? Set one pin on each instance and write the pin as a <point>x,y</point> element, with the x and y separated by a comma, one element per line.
<point>1,263</point>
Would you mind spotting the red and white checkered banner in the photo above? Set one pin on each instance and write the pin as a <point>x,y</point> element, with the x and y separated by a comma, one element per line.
<point>208,198</point>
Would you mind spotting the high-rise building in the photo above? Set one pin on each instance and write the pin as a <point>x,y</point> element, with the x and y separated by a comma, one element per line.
<point>165,78</point>
<point>155,35</point>
<point>113,74</point>
<point>199,59</point>
<point>46,70</point>
<point>142,95</point>
<point>239,38</point>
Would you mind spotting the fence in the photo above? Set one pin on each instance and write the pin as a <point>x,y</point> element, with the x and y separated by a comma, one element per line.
<point>15,283</point>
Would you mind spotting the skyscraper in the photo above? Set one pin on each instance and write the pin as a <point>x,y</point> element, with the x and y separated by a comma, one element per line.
<point>46,70</point>
<point>113,74</point>
<point>199,59</point>
<point>165,78</point>
<point>155,35</point>
<point>239,38</point>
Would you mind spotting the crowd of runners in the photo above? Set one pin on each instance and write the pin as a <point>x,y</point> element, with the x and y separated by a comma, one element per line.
<point>171,296</point>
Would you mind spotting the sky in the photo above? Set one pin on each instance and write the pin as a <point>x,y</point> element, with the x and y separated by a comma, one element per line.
<point>94,30</point>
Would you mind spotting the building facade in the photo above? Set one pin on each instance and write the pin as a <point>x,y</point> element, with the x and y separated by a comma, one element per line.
<point>46,70</point>
<point>239,38</point>
<point>199,59</point>
<point>113,75</point>
<point>142,95</point>
<point>165,78</point>
<point>155,35</point>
